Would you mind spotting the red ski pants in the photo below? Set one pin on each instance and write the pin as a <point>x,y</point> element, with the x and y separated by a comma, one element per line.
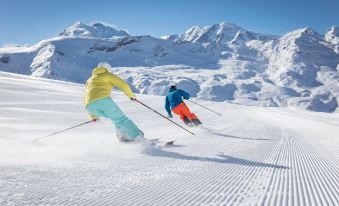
<point>184,111</point>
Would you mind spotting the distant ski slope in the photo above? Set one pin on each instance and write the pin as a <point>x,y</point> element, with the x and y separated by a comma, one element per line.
<point>248,156</point>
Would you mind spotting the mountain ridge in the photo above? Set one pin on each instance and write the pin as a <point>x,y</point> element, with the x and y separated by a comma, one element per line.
<point>220,62</point>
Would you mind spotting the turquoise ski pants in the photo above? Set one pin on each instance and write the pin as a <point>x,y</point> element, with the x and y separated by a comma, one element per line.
<point>105,107</point>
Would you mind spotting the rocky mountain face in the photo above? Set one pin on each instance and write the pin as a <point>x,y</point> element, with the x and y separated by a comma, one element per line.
<point>221,62</point>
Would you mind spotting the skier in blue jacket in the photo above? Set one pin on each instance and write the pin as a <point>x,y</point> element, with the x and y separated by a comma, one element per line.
<point>175,104</point>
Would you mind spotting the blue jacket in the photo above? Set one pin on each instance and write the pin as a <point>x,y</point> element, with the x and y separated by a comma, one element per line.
<point>174,98</point>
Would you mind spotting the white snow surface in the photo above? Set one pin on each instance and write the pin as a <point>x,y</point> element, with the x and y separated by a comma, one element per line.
<point>221,62</point>
<point>249,156</point>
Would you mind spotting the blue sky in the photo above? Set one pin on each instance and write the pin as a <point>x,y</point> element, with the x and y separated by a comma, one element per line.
<point>30,21</point>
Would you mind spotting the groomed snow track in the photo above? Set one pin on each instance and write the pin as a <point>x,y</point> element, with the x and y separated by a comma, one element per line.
<point>249,156</point>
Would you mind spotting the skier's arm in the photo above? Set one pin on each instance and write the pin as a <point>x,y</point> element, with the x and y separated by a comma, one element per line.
<point>184,94</point>
<point>93,117</point>
<point>122,85</point>
<point>167,107</point>
<point>85,92</point>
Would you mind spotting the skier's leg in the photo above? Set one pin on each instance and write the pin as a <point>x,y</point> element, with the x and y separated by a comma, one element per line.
<point>125,127</point>
<point>187,121</point>
<point>191,115</point>
<point>188,113</point>
<point>179,111</point>
<point>176,110</point>
<point>94,109</point>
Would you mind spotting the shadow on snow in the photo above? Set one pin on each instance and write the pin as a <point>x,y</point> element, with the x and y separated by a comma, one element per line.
<point>224,159</point>
<point>231,136</point>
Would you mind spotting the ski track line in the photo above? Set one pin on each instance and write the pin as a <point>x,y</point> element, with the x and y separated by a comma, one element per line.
<point>205,184</point>
<point>220,171</point>
<point>207,192</point>
<point>311,180</point>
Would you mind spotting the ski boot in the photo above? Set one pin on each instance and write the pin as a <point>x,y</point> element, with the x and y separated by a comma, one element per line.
<point>188,122</point>
<point>122,137</point>
<point>196,122</point>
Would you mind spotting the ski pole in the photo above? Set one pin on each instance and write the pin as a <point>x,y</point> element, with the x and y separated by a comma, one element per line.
<point>37,139</point>
<point>164,117</point>
<point>204,107</point>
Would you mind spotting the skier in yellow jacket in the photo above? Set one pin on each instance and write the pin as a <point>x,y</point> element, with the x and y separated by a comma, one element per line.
<point>99,103</point>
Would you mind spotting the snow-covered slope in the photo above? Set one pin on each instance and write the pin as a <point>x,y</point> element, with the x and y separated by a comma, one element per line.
<point>248,156</point>
<point>221,62</point>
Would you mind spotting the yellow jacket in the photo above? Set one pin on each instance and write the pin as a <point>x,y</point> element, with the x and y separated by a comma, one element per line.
<point>101,84</point>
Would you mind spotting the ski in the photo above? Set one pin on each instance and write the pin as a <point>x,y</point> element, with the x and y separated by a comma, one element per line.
<point>157,142</point>
<point>169,143</point>
<point>164,144</point>
<point>154,142</point>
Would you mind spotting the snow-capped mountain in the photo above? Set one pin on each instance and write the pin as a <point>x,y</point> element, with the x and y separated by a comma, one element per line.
<point>221,62</point>
<point>332,36</point>
<point>297,61</point>
<point>96,30</point>
<point>219,34</point>
<point>72,55</point>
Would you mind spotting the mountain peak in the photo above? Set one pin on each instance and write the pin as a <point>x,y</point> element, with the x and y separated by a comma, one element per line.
<point>98,24</point>
<point>332,35</point>
<point>96,30</point>
<point>222,32</point>
<point>334,30</point>
<point>78,24</point>
<point>229,25</point>
<point>101,25</point>
<point>304,33</point>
